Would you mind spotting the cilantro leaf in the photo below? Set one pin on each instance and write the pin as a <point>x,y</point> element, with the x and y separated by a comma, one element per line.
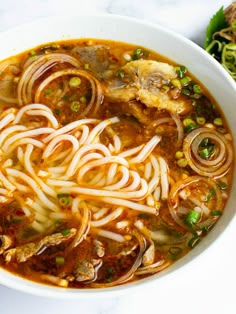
<point>217,22</point>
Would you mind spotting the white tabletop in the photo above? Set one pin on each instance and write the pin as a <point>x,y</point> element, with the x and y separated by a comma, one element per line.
<point>207,285</point>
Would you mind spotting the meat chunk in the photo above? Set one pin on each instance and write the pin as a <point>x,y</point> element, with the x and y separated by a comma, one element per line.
<point>24,252</point>
<point>143,81</point>
<point>5,243</point>
<point>96,56</point>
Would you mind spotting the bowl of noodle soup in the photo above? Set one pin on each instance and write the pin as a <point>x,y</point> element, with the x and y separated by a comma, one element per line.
<point>117,154</point>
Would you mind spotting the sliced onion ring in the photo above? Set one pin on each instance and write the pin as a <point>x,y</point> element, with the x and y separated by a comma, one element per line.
<point>37,68</point>
<point>133,269</point>
<point>173,200</point>
<point>209,168</point>
<point>97,95</point>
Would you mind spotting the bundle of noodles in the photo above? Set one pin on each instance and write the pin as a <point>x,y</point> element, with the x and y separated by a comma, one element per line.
<point>75,170</point>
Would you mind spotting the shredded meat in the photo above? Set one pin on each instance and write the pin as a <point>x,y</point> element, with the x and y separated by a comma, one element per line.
<point>5,243</point>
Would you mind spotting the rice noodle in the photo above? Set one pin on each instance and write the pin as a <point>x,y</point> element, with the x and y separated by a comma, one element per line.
<point>73,161</point>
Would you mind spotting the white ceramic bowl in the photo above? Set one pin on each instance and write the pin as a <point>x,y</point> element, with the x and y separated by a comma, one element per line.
<point>167,43</point>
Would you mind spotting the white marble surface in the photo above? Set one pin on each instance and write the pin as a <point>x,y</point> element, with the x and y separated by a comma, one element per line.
<point>207,285</point>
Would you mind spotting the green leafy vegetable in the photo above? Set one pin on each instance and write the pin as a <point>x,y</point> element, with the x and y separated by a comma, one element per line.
<point>220,40</point>
<point>217,22</point>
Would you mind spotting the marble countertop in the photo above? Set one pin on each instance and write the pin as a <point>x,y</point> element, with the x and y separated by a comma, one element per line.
<point>211,291</point>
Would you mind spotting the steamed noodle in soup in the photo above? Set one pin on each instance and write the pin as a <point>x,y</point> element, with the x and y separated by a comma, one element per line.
<point>115,163</point>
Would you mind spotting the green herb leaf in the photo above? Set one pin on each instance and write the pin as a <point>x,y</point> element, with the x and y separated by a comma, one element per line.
<point>217,22</point>
<point>65,232</point>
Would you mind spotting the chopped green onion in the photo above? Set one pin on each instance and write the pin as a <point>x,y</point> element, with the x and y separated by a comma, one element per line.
<point>47,91</point>
<point>204,153</point>
<point>60,260</point>
<point>120,73</point>
<point>193,217</point>
<point>74,81</point>
<point>183,68</point>
<point>57,111</point>
<point>86,66</point>
<point>139,53</point>
<point>180,70</point>
<point>75,106</point>
<point>65,232</point>
<point>187,121</point>
<point>196,96</point>
<point>216,212</point>
<point>193,241</point>
<point>64,199</point>
<point>179,154</point>
<point>190,127</point>
<point>182,162</point>
<point>186,92</point>
<point>218,121</point>
<point>201,120</point>
<point>175,251</point>
<point>165,87</point>
<point>176,83</point>
<point>83,99</point>
<point>197,89</point>
<point>211,193</point>
<point>222,185</point>
<point>185,80</point>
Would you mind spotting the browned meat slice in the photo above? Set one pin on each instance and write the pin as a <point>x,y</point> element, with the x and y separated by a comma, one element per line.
<point>96,56</point>
<point>143,80</point>
<point>24,252</point>
<point>87,271</point>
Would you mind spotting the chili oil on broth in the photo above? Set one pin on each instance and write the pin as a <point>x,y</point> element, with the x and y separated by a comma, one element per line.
<point>115,163</point>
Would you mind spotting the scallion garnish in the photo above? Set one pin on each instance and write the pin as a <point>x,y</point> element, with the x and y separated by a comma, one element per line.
<point>190,127</point>
<point>222,185</point>
<point>65,232</point>
<point>57,111</point>
<point>64,199</point>
<point>74,81</point>
<point>47,91</point>
<point>193,217</point>
<point>175,251</point>
<point>75,106</point>
<point>139,53</point>
<point>210,194</point>
<point>216,212</point>
<point>193,241</point>
<point>197,89</point>
<point>60,260</point>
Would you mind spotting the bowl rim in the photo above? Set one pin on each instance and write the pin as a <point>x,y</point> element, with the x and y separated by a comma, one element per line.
<point>24,285</point>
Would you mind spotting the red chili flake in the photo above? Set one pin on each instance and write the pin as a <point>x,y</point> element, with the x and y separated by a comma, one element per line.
<point>5,108</point>
<point>114,59</point>
<point>173,202</point>
<point>20,212</point>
